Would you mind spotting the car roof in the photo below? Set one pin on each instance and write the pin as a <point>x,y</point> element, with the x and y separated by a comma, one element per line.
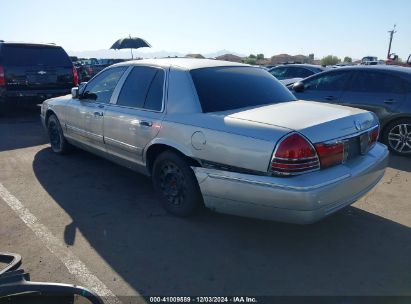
<point>183,63</point>
<point>387,68</point>
<point>28,44</point>
<point>302,65</point>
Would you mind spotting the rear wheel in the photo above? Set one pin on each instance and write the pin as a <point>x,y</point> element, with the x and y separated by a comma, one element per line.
<point>397,136</point>
<point>58,143</point>
<point>176,184</point>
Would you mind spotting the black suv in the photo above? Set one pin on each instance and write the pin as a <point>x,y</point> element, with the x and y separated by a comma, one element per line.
<point>31,73</point>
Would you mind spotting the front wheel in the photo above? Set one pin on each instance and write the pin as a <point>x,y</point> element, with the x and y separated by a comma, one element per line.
<point>397,136</point>
<point>176,184</point>
<point>58,143</point>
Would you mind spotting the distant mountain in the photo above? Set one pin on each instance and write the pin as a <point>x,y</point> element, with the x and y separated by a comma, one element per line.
<point>125,54</point>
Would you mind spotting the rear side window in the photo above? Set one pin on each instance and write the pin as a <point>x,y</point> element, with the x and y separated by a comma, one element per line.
<point>297,72</point>
<point>143,89</point>
<point>227,88</point>
<point>154,97</point>
<point>332,81</point>
<point>279,73</point>
<point>376,82</point>
<point>25,55</point>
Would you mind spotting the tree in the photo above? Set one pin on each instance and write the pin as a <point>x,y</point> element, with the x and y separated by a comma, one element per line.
<point>260,56</point>
<point>330,60</point>
<point>347,59</point>
<point>252,56</point>
<point>251,60</point>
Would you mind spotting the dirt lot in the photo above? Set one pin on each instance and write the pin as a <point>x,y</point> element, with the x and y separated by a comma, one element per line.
<point>108,218</point>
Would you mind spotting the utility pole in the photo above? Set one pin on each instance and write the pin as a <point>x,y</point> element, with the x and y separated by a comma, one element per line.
<point>392,32</point>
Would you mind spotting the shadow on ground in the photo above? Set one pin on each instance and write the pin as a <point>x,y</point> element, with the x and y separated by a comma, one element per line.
<point>350,253</point>
<point>400,162</point>
<point>21,128</point>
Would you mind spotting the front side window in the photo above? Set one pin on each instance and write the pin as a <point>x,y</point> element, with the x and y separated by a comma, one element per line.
<point>143,89</point>
<point>100,88</point>
<point>333,81</point>
<point>228,88</point>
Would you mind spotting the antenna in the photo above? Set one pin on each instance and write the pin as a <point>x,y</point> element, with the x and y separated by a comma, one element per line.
<point>392,32</point>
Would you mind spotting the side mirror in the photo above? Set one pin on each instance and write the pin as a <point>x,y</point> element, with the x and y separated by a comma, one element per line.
<point>74,93</point>
<point>298,87</point>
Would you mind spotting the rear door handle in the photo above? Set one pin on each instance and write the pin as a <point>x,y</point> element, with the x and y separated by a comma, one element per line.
<point>391,100</point>
<point>145,123</point>
<point>98,114</point>
<point>330,98</point>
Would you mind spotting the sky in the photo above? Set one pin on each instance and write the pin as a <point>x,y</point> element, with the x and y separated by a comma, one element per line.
<point>354,28</point>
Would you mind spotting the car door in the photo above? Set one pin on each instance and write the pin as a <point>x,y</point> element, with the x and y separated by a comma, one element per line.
<point>135,117</point>
<point>376,91</point>
<point>325,87</point>
<point>86,114</point>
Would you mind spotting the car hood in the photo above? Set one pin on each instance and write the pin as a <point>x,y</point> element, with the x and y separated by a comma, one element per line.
<point>317,121</point>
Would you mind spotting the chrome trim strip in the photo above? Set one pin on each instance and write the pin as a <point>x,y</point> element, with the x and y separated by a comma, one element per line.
<point>343,138</point>
<point>275,185</point>
<point>294,169</point>
<point>120,144</point>
<point>84,132</point>
<point>296,164</point>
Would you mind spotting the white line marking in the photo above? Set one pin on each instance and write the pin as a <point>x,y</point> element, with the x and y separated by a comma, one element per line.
<point>73,264</point>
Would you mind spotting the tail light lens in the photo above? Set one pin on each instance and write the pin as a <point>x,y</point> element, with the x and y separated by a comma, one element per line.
<point>373,135</point>
<point>294,155</point>
<point>2,77</point>
<point>330,154</point>
<point>75,76</point>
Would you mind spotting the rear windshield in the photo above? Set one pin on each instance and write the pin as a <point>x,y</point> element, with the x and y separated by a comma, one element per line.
<point>228,88</point>
<point>24,55</point>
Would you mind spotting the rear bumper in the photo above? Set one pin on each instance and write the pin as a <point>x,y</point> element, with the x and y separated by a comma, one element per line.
<point>29,97</point>
<point>301,199</point>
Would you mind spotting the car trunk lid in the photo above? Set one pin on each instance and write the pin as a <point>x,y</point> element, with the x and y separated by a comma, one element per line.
<point>319,122</point>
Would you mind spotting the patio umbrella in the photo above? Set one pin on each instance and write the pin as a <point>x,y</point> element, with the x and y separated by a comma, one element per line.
<point>130,43</point>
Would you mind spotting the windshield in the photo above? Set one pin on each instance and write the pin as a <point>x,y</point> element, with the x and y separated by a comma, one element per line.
<point>227,88</point>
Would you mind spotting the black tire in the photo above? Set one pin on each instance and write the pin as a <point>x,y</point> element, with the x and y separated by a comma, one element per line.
<point>176,184</point>
<point>397,136</point>
<point>59,144</point>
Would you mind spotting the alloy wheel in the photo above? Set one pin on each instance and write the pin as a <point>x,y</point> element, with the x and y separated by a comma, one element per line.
<point>399,138</point>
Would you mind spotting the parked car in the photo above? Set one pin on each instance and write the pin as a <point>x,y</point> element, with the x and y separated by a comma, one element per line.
<point>224,134</point>
<point>385,90</point>
<point>31,73</point>
<point>291,73</point>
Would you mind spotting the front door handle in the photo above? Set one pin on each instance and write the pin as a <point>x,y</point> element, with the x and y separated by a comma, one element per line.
<point>98,114</point>
<point>330,98</point>
<point>145,123</point>
<point>389,101</point>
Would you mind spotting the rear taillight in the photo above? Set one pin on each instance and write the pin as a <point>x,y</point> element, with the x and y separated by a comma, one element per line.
<point>373,135</point>
<point>75,76</point>
<point>294,155</point>
<point>2,77</point>
<point>330,154</point>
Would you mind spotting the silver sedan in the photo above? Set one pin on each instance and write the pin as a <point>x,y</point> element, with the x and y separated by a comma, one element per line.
<point>224,135</point>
